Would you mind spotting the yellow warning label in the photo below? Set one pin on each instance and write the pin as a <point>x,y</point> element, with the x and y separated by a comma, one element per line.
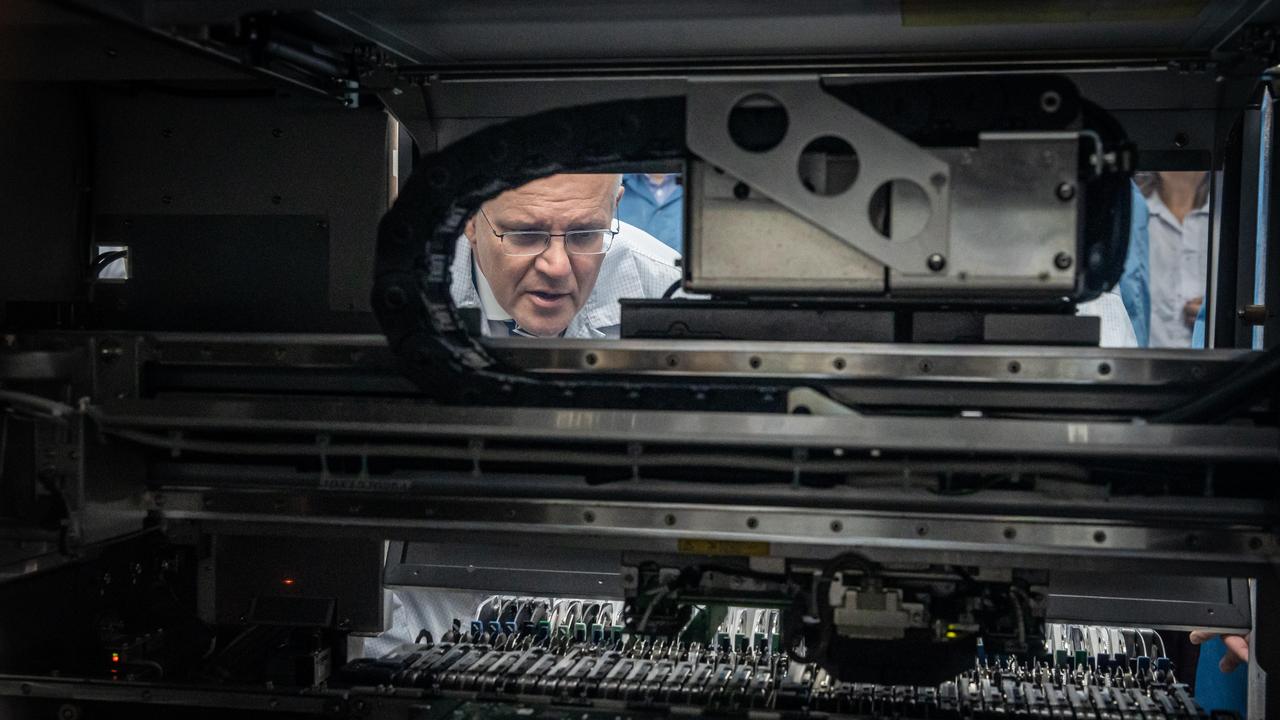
<point>743,548</point>
<point>937,13</point>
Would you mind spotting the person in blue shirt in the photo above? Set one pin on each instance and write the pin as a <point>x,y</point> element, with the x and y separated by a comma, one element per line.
<point>1135,289</point>
<point>1219,686</point>
<point>654,202</point>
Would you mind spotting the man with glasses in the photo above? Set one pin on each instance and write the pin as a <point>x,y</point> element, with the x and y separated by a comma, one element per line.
<point>550,259</point>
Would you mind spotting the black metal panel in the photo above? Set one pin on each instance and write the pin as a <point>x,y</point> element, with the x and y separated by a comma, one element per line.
<point>732,320</point>
<point>42,170</point>
<point>1150,600</point>
<point>221,272</point>
<point>201,152</point>
<point>549,570</point>
<point>260,571</point>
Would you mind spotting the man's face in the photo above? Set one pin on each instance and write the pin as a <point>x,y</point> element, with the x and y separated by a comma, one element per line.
<point>543,292</point>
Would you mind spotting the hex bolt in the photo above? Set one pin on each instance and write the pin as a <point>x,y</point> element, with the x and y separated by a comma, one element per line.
<point>1062,261</point>
<point>936,262</point>
<point>1065,191</point>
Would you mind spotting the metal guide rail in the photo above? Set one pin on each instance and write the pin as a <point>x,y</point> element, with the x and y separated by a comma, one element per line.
<point>695,680</point>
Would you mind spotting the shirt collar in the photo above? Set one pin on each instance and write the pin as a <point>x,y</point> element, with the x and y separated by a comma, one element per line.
<point>1157,207</point>
<point>638,183</point>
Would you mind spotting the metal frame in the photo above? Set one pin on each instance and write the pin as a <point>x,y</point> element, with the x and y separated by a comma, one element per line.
<point>883,156</point>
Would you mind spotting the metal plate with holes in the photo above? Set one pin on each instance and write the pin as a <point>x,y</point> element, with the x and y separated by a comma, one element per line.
<point>604,527</point>
<point>883,156</point>
<point>742,241</point>
<point>971,363</point>
<point>409,424</point>
<point>1014,210</point>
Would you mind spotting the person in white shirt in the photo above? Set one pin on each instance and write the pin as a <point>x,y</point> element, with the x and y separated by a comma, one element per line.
<point>550,259</point>
<point>1179,238</point>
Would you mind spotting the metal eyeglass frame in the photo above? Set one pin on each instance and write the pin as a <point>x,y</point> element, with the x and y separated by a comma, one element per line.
<point>547,244</point>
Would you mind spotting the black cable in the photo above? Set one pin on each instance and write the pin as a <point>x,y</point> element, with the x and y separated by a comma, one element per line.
<point>666,295</point>
<point>850,561</point>
<point>1226,395</point>
<point>104,259</point>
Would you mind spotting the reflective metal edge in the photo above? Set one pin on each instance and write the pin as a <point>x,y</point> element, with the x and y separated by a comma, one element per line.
<point>657,527</point>
<point>407,419</point>
<point>836,361</point>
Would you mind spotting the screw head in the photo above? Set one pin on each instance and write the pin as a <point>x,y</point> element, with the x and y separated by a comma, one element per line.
<point>1062,261</point>
<point>741,191</point>
<point>936,262</point>
<point>1065,191</point>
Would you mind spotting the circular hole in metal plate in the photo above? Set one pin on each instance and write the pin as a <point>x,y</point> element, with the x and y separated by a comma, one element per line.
<point>899,209</point>
<point>828,166</point>
<point>758,123</point>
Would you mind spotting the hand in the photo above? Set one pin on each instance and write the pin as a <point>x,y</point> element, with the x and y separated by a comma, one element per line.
<point>1237,648</point>
<point>1191,310</point>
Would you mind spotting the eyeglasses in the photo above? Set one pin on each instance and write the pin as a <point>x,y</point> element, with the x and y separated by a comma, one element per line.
<point>525,243</point>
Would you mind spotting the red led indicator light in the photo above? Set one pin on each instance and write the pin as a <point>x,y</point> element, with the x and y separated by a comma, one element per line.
<point>288,581</point>
<point>115,657</point>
